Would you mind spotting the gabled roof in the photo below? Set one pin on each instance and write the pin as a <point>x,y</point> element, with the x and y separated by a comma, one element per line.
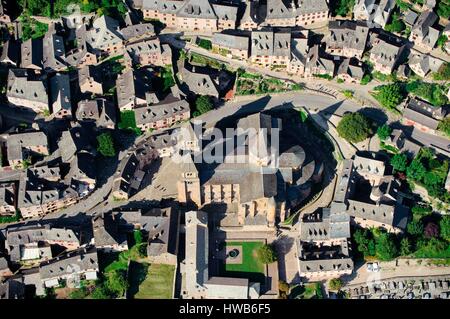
<point>25,85</point>
<point>105,31</point>
<point>32,54</point>
<point>60,92</point>
<point>54,51</point>
<point>201,84</point>
<point>137,30</point>
<point>99,110</point>
<point>231,41</point>
<point>165,109</point>
<point>200,9</point>
<point>225,12</point>
<point>277,9</point>
<point>354,71</point>
<point>16,142</point>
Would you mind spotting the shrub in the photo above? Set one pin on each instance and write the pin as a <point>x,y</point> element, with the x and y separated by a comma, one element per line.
<point>203,104</point>
<point>444,126</point>
<point>445,227</point>
<point>106,145</point>
<point>266,254</point>
<point>335,284</point>
<point>443,73</point>
<point>384,132</point>
<point>205,44</point>
<point>354,127</point>
<point>431,230</point>
<point>415,228</point>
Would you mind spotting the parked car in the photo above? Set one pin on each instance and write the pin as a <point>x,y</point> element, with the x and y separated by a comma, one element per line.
<point>376,267</point>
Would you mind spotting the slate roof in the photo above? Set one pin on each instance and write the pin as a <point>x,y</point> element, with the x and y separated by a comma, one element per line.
<point>312,6</point>
<point>425,62</point>
<point>22,84</point>
<point>54,51</point>
<point>224,12</point>
<point>60,92</point>
<point>386,53</point>
<point>201,84</point>
<point>347,34</point>
<point>131,85</point>
<point>72,262</point>
<point>200,9</point>
<point>231,41</point>
<point>99,110</point>
<point>314,60</point>
<point>105,32</point>
<point>162,228</point>
<point>325,225</point>
<point>106,231</point>
<point>268,43</point>
<point>10,53</point>
<point>32,53</point>
<point>16,142</point>
<point>13,288</point>
<point>422,113</point>
<point>354,71</point>
<point>160,111</point>
<point>137,30</point>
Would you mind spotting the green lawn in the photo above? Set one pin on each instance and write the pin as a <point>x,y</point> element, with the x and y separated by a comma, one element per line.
<point>250,267</point>
<point>151,281</point>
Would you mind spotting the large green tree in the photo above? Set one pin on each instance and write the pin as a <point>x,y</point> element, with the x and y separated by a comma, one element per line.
<point>416,170</point>
<point>354,127</point>
<point>405,247</point>
<point>445,227</point>
<point>415,228</point>
<point>390,95</point>
<point>399,162</point>
<point>385,246</point>
<point>266,254</point>
<point>384,131</point>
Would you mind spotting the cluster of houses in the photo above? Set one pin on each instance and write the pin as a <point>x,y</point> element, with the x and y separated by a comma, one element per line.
<point>366,195</point>
<point>40,256</point>
<point>47,186</point>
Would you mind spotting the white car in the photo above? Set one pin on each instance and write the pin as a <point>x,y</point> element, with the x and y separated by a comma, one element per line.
<point>370,267</point>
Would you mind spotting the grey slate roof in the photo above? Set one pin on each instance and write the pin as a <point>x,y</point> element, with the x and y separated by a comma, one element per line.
<point>200,9</point>
<point>347,34</point>
<point>278,9</point>
<point>105,32</point>
<point>354,71</point>
<point>393,215</point>
<point>268,43</point>
<point>386,53</point>
<point>201,84</point>
<point>162,231</point>
<point>325,225</point>
<point>424,22</point>
<point>231,41</point>
<point>16,142</point>
<point>21,84</point>
<point>165,109</point>
<point>224,12</point>
<point>13,288</point>
<point>312,6</point>
<point>410,17</point>
<point>106,231</point>
<point>54,51</point>
<point>131,85</point>
<point>73,262</point>
<point>60,92</point>
<point>422,113</point>
<point>32,53</point>
<point>137,30</point>
<point>99,110</point>
<point>314,60</point>
<point>426,62</point>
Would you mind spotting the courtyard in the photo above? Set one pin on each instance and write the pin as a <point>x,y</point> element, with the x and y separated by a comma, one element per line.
<point>245,263</point>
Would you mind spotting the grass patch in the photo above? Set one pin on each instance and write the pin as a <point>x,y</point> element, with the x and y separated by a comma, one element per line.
<point>128,122</point>
<point>250,267</point>
<point>307,291</point>
<point>151,281</point>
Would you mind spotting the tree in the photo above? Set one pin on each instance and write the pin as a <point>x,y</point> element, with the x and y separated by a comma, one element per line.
<point>441,41</point>
<point>390,95</point>
<point>444,126</point>
<point>405,247</point>
<point>399,162</point>
<point>443,73</point>
<point>283,287</point>
<point>205,44</point>
<point>335,284</point>
<point>385,246</point>
<point>421,209</point>
<point>445,227</point>
<point>203,104</point>
<point>431,230</point>
<point>365,244</point>
<point>354,127</point>
<point>443,9</point>
<point>384,131</point>
<point>415,228</point>
<point>101,292</point>
<point>116,282</point>
<point>106,145</point>
<point>416,170</point>
<point>266,254</point>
